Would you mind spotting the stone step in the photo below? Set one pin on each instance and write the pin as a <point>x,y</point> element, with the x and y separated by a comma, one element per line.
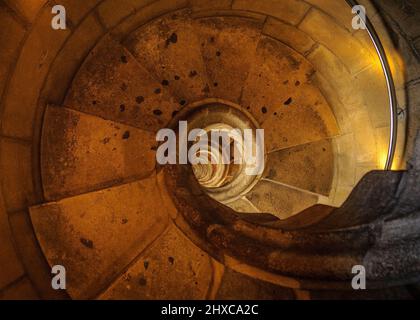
<point>112,85</point>
<point>236,286</point>
<point>82,153</point>
<point>95,236</point>
<point>172,268</point>
<point>280,200</point>
<point>228,46</point>
<point>170,49</point>
<point>280,94</point>
<point>308,166</point>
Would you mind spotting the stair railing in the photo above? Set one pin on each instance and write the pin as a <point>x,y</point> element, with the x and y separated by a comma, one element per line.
<point>389,82</point>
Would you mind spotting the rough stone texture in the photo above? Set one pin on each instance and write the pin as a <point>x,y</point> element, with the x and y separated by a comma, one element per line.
<point>405,14</point>
<point>70,58</point>
<point>236,286</point>
<point>95,236</point>
<point>38,52</point>
<point>398,238</point>
<point>19,290</point>
<point>279,200</point>
<point>312,252</point>
<point>279,93</point>
<point>390,260</point>
<point>290,35</point>
<point>372,198</point>
<point>11,267</point>
<point>112,85</point>
<point>413,92</point>
<point>416,43</point>
<point>309,167</point>
<point>228,48</point>
<point>409,189</point>
<point>291,11</point>
<point>16,177</point>
<point>82,153</point>
<point>170,49</point>
<point>173,268</point>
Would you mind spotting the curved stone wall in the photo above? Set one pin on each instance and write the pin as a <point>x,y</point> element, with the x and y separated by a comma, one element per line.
<point>38,66</point>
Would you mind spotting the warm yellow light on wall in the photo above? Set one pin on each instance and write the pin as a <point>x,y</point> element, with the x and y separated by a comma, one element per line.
<point>382,159</point>
<point>383,155</point>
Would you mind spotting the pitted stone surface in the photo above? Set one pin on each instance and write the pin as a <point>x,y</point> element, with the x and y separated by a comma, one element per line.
<point>228,46</point>
<point>309,167</point>
<point>96,235</point>
<point>280,200</point>
<point>112,85</point>
<point>172,268</point>
<point>280,95</point>
<point>83,153</point>
<point>169,48</point>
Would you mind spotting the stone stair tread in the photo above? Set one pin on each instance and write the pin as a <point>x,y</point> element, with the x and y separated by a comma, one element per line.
<point>170,49</point>
<point>280,200</point>
<point>112,85</point>
<point>280,94</point>
<point>96,235</point>
<point>172,268</point>
<point>82,153</point>
<point>228,48</point>
<point>243,205</point>
<point>308,166</point>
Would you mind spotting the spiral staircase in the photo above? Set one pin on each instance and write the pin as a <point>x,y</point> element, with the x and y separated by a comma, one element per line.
<point>81,187</point>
